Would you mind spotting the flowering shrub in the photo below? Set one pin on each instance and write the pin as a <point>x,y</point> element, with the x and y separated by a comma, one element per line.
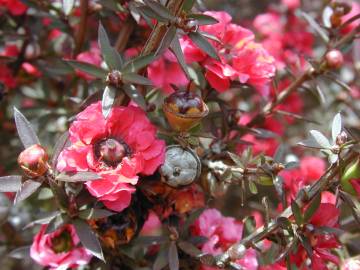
<point>180,134</point>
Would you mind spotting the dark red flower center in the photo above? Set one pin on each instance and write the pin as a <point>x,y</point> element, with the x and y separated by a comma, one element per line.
<point>111,151</point>
<point>62,242</point>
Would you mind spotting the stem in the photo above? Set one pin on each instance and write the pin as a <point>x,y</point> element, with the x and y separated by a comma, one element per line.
<point>80,37</point>
<point>158,32</point>
<point>124,34</point>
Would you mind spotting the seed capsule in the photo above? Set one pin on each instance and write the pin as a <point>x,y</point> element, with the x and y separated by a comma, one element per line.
<point>181,167</point>
<point>33,160</point>
<point>184,110</point>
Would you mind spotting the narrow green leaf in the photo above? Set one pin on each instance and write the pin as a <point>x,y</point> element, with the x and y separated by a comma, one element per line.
<point>110,55</point>
<point>27,189</point>
<point>136,78</point>
<point>137,63</point>
<point>175,47</point>
<point>166,40</point>
<point>336,127</point>
<point>159,9</point>
<point>26,133</point>
<point>189,249</point>
<point>134,94</point>
<point>147,13</point>
<point>94,213</point>
<point>203,19</point>
<point>320,138</point>
<point>297,213</point>
<point>203,44</point>
<point>88,68</point>
<point>188,4</point>
<point>162,258</point>
<point>307,245</point>
<point>252,187</point>
<point>314,205</point>
<point>173,256</point>
<point>44,220</point>
<point>108,100</point>
<point>10,183</point>
<point>88,238</point>
<point>20,253</point>
<point>320,31</point>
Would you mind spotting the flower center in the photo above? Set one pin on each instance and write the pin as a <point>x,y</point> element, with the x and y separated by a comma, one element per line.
<point>111,151</point>
<point>62,243</point>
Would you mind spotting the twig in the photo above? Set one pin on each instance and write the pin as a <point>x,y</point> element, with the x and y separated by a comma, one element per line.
<point>124,34</point>
<point>80,36</point>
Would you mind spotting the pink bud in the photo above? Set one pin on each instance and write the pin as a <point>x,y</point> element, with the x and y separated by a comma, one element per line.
<point>334,59</point>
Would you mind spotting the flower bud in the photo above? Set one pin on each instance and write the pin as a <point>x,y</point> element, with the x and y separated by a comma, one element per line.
<point>114,78</point>
<point>33,160</point>
<point>184,110</point>
<point>341,138</point>
<point>352,172</point>
<point>334,59</point>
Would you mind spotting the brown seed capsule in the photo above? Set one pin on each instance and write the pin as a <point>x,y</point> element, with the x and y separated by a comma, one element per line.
<point>334,59</point>
<point>33,160</point>
<point>184,110</point>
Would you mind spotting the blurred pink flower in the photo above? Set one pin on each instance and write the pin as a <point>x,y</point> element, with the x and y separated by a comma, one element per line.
<point>59,249</point>
<point>351,264</point>
<point>222,232</point>
<point>15,7</point>
<point>152,225</point>
<point>117,148</point>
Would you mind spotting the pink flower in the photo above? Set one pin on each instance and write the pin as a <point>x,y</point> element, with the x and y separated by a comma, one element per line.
<point>311,169</point>
<point>15,7</point>
<point>222,232</point>
<point>91,56</point>
<point>240,57</point>
<point>166,71</point>
<point>355,10</point>
<point>6,77</point>
<point>327,215</point>
<point>118,148</point>
<point>59,249</point>
<point>291,4</point>
<point>152,225</point>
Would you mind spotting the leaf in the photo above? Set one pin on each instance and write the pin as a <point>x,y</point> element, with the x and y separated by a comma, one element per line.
<point>311,143</point>
<point>88,68</point>
<point>11,183</point>
<point>61,143</point>
<point>135,95</point>
<point>236,159</point>
<point>188,4</point>
<point>307,245</point>
<point>77,176</point>
<point>175,47</point>
<point>203,44</point>
<point>148,14</point>
<point>136,78</point>
<point>166,40</point>
<point>68,6</point>
<point>55,224</point>
<point>94,213</point>
<point>111,56</point>
<point>108,100</point>
<point>160,10</point>
<point>27,189</point>
<point>44,220</point>
<point>88,238</point>
<point>297,213</point>
<point>173,256</point>
<point>191,219</point>
<point>161,259</point>
<point>189,249</point>
<point>20,253</point>
<point>279,153</point>
<point>279,187</point>
<point>252,187</point>
<point>209,36</point>
<point>320,138</point>
<point>291,165</point>
<point>203,19</point>
<point>320,31</point>
<point>336,127</point>
<point>137,63</point>
<point>314,205</point>
<point>26,133</point>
